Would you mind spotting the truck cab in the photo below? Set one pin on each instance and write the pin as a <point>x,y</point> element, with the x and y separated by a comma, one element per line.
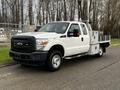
<point>54,42</point>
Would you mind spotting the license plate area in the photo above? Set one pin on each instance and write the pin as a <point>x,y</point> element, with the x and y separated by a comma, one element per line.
<point>17,56</point>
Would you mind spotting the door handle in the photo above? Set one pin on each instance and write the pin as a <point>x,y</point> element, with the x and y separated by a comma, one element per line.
<point>82,39</point>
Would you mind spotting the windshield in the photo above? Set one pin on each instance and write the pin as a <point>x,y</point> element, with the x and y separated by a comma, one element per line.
<point>55,27</point>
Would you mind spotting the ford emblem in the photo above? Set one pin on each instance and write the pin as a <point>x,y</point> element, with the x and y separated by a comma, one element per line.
<point>19,43</point>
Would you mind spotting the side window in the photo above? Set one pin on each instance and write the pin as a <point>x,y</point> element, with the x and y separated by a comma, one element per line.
<point>72,28</point>
<point>84,30</point>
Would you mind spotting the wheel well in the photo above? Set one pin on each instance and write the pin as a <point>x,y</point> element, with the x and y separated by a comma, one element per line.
<point>57,47</point>
<point>104,46</point>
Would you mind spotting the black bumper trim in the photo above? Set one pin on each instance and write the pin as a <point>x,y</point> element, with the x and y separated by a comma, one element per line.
<point>37,56</point>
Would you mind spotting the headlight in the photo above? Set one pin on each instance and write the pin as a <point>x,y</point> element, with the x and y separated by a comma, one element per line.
<point>41,43</point>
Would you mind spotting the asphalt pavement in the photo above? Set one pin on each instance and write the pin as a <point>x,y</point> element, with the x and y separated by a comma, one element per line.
<point>84,73</point>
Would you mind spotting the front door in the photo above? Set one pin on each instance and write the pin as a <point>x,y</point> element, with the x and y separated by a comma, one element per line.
<point>74,44</point>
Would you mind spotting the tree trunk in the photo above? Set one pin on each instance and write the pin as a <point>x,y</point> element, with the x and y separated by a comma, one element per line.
<point>31,12</point>
<point>65,11</point>
<point>22,13</point>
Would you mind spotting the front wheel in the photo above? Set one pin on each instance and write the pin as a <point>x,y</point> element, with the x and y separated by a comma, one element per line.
<point>54,60</point>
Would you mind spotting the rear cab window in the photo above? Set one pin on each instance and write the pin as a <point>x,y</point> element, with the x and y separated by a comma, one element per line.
<point>84,29</point>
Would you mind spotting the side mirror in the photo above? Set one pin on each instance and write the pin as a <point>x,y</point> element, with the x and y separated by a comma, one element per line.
<point>70,34</point>
<point>76,33</point>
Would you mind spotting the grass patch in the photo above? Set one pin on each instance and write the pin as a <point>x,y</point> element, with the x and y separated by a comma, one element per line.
<point>115,41</point>
<point>4,54</point>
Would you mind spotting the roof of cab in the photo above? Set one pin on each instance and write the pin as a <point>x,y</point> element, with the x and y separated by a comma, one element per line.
<point>67,21</point>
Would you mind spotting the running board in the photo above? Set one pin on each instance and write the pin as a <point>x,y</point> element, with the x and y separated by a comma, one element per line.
<point>75,56</point>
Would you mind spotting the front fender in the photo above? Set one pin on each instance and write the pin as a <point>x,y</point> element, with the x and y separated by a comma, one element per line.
<point>52,43</point>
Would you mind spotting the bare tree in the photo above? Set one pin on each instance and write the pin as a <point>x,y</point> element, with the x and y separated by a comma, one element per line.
<point>65,11</point>
<point>104,14</point>
<point>22,12</point>
<point>31,12</point>
<point>72,9</point>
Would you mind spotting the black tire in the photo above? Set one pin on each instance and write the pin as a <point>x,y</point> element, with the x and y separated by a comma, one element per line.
<point>54,60</point>
<point>100,54</point>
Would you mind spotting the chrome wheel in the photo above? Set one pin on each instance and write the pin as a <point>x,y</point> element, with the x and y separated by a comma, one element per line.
<point>101,52</point>
<point>56,61</point>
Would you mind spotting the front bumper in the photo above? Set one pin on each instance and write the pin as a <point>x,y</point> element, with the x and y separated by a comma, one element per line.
<point>29,58</point>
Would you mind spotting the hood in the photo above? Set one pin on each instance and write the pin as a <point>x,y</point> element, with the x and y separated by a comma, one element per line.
<point>40,34</point>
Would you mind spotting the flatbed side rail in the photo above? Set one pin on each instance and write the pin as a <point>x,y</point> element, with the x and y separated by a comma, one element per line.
<point>104,38</point>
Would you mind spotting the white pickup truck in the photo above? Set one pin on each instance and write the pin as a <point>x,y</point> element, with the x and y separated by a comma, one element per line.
<point>56,41</point>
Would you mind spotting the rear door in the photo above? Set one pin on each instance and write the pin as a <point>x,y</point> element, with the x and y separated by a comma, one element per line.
<point>85,38</point>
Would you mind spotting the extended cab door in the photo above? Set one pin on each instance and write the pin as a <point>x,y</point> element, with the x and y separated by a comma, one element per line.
<point>85,37</point>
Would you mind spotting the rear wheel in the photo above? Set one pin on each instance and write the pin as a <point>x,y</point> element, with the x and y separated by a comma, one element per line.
<point>54,60</point>
<point>100,54</point>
